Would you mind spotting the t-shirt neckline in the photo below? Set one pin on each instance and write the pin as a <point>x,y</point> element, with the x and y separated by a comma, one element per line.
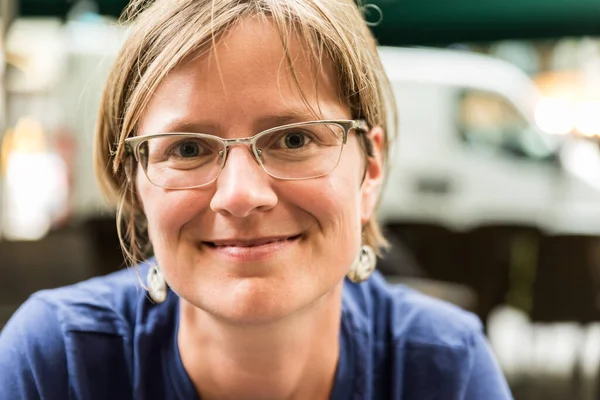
<point>184,389</point>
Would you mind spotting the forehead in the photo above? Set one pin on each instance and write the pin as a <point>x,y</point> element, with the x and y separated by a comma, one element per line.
<point>247,77</point>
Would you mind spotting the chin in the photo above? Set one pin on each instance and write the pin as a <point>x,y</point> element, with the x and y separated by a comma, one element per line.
<point>249,315</point>
<point>255,317</point>
<point>252,301</point>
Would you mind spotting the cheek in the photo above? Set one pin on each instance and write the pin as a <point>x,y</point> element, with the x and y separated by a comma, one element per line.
<point>349,181</point>
<point>334,200</point>
<point>167,212</point>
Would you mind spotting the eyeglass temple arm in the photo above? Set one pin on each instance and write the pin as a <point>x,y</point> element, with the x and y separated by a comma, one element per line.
<point>362,126</point>
<point>129,150</point>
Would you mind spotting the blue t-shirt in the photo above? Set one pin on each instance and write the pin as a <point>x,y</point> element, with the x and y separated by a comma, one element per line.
<point>104,339</point>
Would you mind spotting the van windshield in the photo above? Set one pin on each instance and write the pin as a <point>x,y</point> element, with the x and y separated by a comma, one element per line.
<point>489,120</point>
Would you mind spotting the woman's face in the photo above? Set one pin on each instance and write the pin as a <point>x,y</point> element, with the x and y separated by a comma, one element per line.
<point>248,247</point>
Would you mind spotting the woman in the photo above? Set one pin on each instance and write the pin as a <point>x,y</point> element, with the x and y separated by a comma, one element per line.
<point>246,143</point>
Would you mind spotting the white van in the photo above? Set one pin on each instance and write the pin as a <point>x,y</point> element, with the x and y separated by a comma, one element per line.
<point>469,151</point>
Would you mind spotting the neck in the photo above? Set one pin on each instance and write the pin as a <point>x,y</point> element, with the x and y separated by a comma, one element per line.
<point>292,358</point>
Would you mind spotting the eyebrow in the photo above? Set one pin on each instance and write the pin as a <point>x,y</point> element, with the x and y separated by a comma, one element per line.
<point>283,119</point>
<point>260,124</point>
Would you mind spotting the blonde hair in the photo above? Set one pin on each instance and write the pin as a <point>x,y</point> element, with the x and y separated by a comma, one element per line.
<point>163,33</point>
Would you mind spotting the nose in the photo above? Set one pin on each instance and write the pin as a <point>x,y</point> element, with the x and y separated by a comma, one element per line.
<point>242,187</point>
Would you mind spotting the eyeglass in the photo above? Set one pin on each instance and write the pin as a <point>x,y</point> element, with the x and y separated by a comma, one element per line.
<point>297,151</point>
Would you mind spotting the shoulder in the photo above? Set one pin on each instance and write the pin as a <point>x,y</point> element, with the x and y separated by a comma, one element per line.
<point>106,304</point>
<point>394,312</point>
<point>31,344</point>
<point>38,343</point>
<point>436,347</point>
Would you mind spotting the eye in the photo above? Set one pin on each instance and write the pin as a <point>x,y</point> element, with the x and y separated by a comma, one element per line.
<point>188,149</point>
<point>295,140</point>
<point>290,140</point>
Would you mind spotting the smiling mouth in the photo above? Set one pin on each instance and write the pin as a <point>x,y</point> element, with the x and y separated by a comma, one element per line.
<point>250,243</point>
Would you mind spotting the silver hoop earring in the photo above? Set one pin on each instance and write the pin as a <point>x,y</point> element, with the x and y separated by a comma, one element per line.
<point>157,287</point>
<point>363,266</point>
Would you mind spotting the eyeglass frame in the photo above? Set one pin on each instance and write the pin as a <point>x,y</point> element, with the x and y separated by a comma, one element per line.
<point>132,145</point>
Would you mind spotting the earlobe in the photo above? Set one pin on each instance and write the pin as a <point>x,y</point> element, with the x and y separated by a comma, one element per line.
<point>374,174</point>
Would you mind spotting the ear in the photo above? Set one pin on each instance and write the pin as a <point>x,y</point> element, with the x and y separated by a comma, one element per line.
<point>371,184</point>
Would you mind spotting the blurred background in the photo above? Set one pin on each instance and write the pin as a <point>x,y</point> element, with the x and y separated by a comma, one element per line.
<point>493,196</point>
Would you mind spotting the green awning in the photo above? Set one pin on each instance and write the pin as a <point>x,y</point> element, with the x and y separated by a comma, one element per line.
<point>408,22</point>
<point>419,22</point>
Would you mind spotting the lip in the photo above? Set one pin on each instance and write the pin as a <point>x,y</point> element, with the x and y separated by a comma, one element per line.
<point>250,242</point>
<point>251,250</point>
